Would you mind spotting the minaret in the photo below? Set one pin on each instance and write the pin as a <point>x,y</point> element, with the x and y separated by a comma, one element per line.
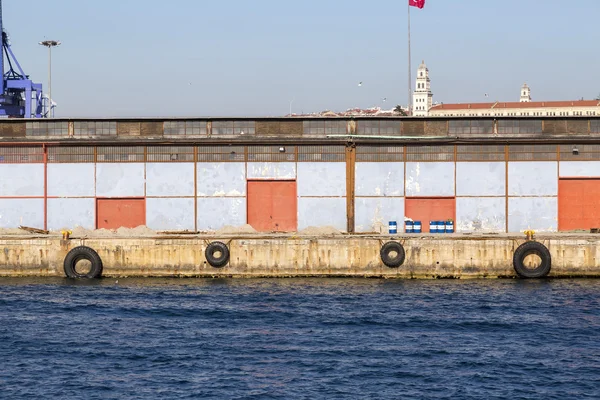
<point>422,97</point>
<point>525,94</point>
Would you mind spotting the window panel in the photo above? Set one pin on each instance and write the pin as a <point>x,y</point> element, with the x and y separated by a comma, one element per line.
<point>430,153</point>
<point>325,127</point>
<point>21,155</point>
<point>221,154</point>
<point>322,153</point>
<point>121,154</point>
<point>95,128</point>
<point>366,153</point>
<point>170,153</point>
<point>75,154</point>
<point>378,127</point>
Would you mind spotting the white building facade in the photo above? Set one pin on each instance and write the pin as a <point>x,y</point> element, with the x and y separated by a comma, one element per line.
<point>422,96</point>
<point>423,105</point>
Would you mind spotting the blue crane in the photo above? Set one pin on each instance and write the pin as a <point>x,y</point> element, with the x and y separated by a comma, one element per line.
<point>17,91</point>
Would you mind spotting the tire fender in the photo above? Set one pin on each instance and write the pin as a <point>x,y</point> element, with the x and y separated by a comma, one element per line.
<point>385,254</point>
<point>212,249</point>
<point>527,249</point>
<point>83,253</point>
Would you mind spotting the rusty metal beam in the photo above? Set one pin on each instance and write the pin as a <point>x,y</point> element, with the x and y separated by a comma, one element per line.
<point>350,185</point>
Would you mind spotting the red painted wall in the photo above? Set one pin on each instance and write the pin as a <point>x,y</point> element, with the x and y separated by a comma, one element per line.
<point>427,209</point>
<point>273,206</point>
<point>578,204</point>
<point>116,213</point>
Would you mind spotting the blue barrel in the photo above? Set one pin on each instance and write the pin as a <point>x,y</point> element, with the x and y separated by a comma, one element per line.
<point>441,226</point>
<point>449,226</point>
<point>417,228</point>
<point>393,227</point>
<point>433,227</point>
<point>408,226</point>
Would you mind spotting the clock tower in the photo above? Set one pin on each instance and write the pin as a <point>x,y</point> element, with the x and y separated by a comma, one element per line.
<point>422,96</point>
<point>525,94</point>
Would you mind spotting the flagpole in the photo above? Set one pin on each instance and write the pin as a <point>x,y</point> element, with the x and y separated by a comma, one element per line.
<point>409,66</point>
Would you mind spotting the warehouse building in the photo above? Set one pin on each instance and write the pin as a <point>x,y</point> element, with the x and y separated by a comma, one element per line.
<point>286,174</point>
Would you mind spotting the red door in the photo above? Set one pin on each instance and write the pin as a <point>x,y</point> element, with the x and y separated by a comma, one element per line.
<point>430,209</point>
<point>578,206</point>
<point>272,206</point>
<point>117,213</point>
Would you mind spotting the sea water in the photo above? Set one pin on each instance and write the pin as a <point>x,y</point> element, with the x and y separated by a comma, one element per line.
<point>299,338</point>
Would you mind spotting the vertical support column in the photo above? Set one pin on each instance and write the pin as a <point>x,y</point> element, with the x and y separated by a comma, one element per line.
<point>195,188</point>
<point>455,173</point>
<point>506,158</point>
<point>145,182</point>
<point>28,94</point>
<point>246,151</point>
<point>350,184</point>
<point>45,151</point>
<point>96,187</point>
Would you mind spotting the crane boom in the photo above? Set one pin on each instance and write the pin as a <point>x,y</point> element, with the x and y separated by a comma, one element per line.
<point>2,58</point>
<point>17,91</point>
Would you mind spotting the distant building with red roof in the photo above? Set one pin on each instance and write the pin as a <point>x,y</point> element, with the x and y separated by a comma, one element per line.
<point>424,106</point>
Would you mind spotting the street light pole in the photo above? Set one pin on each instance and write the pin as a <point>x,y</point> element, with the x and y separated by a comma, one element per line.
<point>50,44</point>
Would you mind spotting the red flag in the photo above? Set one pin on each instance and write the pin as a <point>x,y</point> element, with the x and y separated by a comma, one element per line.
<point>416,3</point>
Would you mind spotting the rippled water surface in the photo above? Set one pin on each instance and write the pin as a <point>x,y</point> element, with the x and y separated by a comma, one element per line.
<point>299,338</point>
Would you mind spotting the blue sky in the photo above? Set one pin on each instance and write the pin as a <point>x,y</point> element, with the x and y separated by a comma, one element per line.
<point>236,57</point>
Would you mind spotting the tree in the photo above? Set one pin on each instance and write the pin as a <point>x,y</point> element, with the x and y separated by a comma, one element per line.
<point>597,97</point>
<point>400,110</point>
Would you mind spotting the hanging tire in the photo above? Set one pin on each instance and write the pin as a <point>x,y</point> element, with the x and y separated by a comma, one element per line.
<point>392,261</point>
<point>83,253</point>
<point>529,248</point>
<point>217,261</point>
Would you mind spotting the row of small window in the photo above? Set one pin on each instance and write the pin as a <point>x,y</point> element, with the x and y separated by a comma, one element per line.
<point>524,114</point>
<point>200,128</point>
<point>109,128</point>
<point>370,153</point>
<point>311,127</point>
<point>504,127</point>
<point>96,128</point>
<point>487,127</point>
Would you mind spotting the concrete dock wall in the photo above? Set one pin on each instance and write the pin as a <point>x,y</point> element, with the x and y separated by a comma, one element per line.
<point>427,257</point>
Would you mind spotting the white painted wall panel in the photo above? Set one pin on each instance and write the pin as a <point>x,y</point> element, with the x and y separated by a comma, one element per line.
<point>432,179</point>
<point>480,179</point>
<point>170,214</point>
<point>272,170</point>
<point>322,212</point>
<point>480,214</point>
<point>322,179</point>
<point>221,179</point>
<point>71,180</point>
<point>580,169</point>
<point>378,210</point>
<point>21,179</point>
<point>533,178</point>
<point>170,179</point>
<point>215,213</point>
<point>16,212</point>
<point>120,180</point>
<point>69,213</point>
<point>379,179</point>
<point>537,213</point>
